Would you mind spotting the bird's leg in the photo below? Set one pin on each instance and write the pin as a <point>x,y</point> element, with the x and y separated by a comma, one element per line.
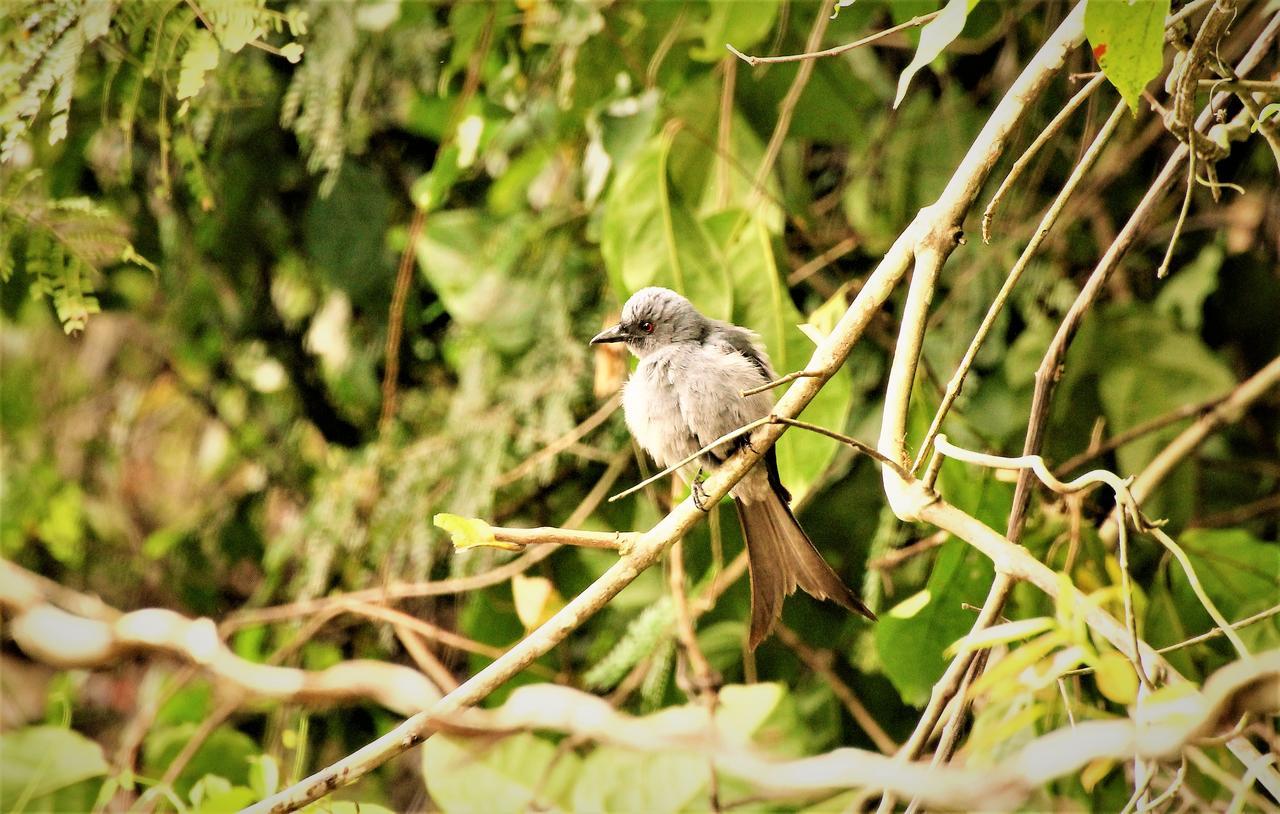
<point>698,493</point>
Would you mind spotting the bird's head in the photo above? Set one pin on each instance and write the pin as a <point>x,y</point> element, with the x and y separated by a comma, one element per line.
<point>654,318</point>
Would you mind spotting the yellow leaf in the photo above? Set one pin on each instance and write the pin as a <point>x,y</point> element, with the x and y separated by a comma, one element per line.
<point>1000,634</point>
<point>986,737</point>
<point>1095,772</point>
<point>911,605</point>
<point>1009,667</point>
<point>470,532</point>
<point>536,598</point>
<point>1116,678</point>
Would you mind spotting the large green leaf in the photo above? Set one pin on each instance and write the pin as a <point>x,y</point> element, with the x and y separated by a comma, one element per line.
<point>517,773</point>
<point>471,261</point>
<point>761,302</point>
<point>226,753</point>
<point>1127,37</point>
<point>1239,572</point>
<point>1146,367</point>
<point>741,24</point>
<point>40,760</point>
<point>912,637</point>
<point>649,236</point>
<point>614,779</point>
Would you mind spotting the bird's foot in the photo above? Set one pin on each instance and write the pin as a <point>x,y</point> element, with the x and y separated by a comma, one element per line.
<point>699,494</point>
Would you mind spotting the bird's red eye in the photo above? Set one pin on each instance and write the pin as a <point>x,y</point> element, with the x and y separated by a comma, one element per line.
<point>646,326</point>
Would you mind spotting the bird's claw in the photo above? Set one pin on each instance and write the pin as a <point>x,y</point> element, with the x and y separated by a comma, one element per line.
<point>699,494</point>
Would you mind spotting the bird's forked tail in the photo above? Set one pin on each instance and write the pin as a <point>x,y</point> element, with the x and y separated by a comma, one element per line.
<point>781,557</point>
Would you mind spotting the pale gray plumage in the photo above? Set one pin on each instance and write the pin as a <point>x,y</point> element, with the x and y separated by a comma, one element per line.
<point>687,392</point>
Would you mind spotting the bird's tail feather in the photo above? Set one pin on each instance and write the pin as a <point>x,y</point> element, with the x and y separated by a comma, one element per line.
<point>780,557</point>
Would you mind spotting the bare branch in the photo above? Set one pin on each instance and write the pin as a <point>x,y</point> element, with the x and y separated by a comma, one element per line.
<point>837,50</point>
<point>1051,130</point>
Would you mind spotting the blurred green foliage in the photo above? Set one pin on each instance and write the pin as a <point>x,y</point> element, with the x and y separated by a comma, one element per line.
<point>211,198</point>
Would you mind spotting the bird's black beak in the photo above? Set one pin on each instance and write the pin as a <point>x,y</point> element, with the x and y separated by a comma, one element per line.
<point>614,334</point>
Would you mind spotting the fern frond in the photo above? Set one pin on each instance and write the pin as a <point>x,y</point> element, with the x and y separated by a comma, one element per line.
<point>644,634</point>
<point>315,102</point>
<point>65,244</point>
<point>50,42</point>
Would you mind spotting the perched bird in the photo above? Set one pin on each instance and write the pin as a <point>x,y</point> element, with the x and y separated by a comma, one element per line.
<point>687,392</point>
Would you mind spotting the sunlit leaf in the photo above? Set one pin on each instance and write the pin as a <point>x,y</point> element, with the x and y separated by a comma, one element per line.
<point>1127,37</point>
<point>1116,678</point>
<point>200,58</point>
<point>934,38</point>
<point>40,760</point>
<point>536,599</point>
<point>470,532</point>
<point>1002,634</point>
<point>650,237</point>
<point>482,775</point>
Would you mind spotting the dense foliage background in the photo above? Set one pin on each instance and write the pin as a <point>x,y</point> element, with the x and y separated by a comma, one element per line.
<point>201,232</point>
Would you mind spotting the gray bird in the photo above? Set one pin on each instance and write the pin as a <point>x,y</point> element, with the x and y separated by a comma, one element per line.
<point>687,392</point>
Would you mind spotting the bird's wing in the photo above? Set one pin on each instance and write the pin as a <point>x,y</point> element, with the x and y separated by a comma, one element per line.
<point>746,343</point>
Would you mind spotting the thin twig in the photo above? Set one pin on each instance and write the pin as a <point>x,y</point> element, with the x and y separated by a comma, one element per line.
<point>823,260</point>
<point>1051,130</point>
<point>1163,268</point>
<point>688,459</point>
<point>1136,431</point>
<point>1050,217</point>
<point>395,320</point>
<point>404,274</point>
<point>900,555</point>
<point>865,449</point>
<point>1242,85</point>
<point>1228,410</point>
<point>564,442</point>
<point>787,109</point>
<point>835,51</point>
<point>724,133</point>
<point>819,661</point>
<point>790,377</point>
<point>1239,514</point>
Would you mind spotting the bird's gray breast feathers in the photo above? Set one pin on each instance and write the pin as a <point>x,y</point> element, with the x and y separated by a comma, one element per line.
<point>686,396</point>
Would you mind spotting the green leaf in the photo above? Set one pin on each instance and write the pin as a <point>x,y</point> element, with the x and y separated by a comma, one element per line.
<point>763,304</point>
<point>225,753</point>
<point>743,708</point>
<point>473,263</point>
<point>1240,573</point>
<point>614,779</point>
<point>911,647</point>
<point>742,24</point>
<point>517,773</point>
<point>1127,37</point>
<point>1271,111</point>
<point>264,775</point>
<point>40,760</point>
<point>200,58</point>
<point>649,236</point>
<point>213,794</point>
<point>431,190</point>
<point>1160,370</point>
<point>934,37</point>
<point>1182,296</point>
<point>1116,678</point>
